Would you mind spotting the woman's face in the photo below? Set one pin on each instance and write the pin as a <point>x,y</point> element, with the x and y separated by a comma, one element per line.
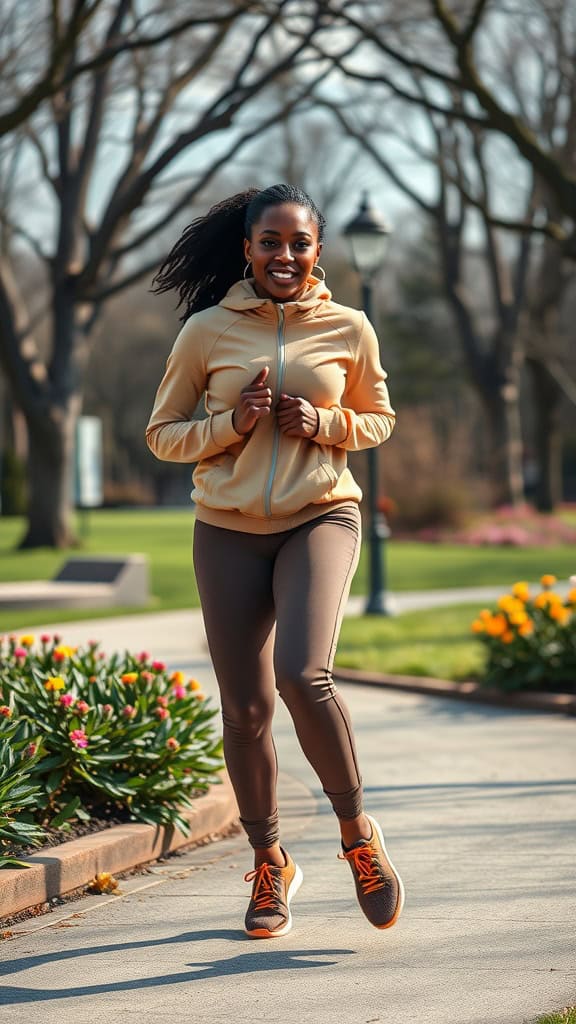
<point>283,248</point>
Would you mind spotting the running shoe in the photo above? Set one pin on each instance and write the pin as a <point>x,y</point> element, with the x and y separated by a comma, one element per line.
<point>268,915</point>
<point>378,885</point>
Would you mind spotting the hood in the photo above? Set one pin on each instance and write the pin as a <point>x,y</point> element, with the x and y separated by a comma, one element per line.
<point>241,296</point>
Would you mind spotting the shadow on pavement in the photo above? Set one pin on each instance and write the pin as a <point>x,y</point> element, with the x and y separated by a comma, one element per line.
<point>266,959</point>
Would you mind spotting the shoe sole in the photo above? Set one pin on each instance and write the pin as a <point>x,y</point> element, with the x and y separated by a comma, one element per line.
<point>398,910</point>
<point>264,933</point>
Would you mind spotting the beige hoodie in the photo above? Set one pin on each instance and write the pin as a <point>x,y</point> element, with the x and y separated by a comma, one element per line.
<point>265,482</point>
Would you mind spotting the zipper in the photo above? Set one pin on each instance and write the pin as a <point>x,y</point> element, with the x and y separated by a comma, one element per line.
<point>281,353</point>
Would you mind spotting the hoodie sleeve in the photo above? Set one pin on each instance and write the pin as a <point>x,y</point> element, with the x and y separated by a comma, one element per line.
<point>366,418</point>
<point>172,434</point>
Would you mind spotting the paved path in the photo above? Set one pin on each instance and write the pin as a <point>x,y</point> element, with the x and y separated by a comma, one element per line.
<point>477,805</point>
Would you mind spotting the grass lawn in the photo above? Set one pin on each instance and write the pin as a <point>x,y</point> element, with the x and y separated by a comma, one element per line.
<point>166,537</point>
<point>566,1016</point>
<point>424,643</point>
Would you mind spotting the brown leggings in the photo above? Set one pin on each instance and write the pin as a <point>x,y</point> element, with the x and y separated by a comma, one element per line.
<point>273,605</point>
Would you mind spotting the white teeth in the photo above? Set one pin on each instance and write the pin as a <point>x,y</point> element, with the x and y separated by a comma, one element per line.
<point>282,275</point>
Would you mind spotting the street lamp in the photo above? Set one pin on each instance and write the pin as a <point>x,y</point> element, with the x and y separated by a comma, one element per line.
<point>367,236</point>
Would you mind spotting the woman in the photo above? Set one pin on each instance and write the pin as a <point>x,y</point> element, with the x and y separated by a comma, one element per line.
<point>292,381</point>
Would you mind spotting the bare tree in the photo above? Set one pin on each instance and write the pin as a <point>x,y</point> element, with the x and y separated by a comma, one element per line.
<point>104,149</point>
<point>397,44</point>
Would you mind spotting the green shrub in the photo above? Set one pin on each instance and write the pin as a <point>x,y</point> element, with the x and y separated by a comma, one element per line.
<point>531,641</point>
<point>18,796</point>
<point>116,734</point>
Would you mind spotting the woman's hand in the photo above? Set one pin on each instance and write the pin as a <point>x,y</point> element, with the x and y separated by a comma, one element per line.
<point>296,417</point>
<point>254,403</point>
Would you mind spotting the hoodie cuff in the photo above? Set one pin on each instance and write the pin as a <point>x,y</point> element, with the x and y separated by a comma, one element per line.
<point>222,429</point>
<point>332,426</point>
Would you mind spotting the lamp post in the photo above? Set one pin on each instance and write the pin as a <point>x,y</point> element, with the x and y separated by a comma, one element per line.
<point>367,236</point>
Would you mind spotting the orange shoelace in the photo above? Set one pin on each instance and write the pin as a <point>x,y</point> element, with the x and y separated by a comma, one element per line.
<point>265,895</point>
<point>366,867</point>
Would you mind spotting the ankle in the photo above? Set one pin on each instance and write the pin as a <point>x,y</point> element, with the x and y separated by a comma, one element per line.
<point>269,855</point>
<point>354,829</point>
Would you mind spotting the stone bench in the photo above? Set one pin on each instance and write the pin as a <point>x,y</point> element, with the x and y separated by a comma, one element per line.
<point>84,582</point>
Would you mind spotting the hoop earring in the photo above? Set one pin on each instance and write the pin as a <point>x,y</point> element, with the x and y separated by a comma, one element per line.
<point>245,274</point>
<point>321,271</point>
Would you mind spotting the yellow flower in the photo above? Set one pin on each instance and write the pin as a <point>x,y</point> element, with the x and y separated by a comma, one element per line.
<point>129,677</point>
<point>496,626</point>
<point>507,636</point>
<point>478,626</point>
<point>55,683</point>
<point>485,614</point>
<point>548,580</point>
<point>510,604</point>
<point>27,641</point>
<point>521,590</point>
<point>526,628</point>
<point>542,600</point>
<point>177,678</point>
<point>518,618</point>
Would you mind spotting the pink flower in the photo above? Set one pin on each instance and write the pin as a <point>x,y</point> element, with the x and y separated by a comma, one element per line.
<point>161,713</point>
<point>20,652</point>
<point>143,656</point>
<point>82,707</point>
<point>128,711</point>
<point>107,709</point>
<point>179,691</point>
<point>31,749</point>
<point>158,666</point>
<point>147,677</point>
<point>45,638</point>
<point>5,711</point>
<point>162,701</point>
<point>66,700</point>
<point>100,655</point>
<point>79,738</point>
<point>172,743</point>
<point>93,644</point>
<point>56,638</point>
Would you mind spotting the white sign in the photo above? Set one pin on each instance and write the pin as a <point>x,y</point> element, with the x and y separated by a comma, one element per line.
<point>88,476</point>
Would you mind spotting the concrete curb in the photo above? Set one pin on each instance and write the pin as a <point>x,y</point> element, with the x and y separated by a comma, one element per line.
<point>74,864</point>
<point>559,703</point>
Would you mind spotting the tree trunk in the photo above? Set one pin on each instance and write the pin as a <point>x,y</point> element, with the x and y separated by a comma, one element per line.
<point>50,476</point>
<point>548,437</point>
<point>505,442</point>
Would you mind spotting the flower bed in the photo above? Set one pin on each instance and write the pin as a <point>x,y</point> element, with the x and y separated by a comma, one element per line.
<point>83,734</point>
<point>530,639</point>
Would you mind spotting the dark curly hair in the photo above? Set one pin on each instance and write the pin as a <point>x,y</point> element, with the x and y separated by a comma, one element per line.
<point>209,257</point>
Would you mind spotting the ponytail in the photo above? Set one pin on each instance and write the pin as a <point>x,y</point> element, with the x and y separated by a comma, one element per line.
<point>209,257</point>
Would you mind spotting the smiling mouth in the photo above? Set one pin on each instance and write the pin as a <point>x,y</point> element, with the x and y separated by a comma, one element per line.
<point>283,275</point>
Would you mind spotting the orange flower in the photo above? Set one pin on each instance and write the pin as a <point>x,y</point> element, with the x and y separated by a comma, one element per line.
<point>193,684</point>
<point>548,580</point>
<point>485,614</point>
<point>521,590</point>
<point>507,636</point>
<point>527,628</point>
<point>129,677</point>
<point>542,600</point>
<point>559,613</point>
<point>478,626</point>
<point>571,596</point>
<point>497,625</point>
<point>177,677</point>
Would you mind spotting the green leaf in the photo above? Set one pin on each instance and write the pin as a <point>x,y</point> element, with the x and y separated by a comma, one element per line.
<point>67,812</point>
